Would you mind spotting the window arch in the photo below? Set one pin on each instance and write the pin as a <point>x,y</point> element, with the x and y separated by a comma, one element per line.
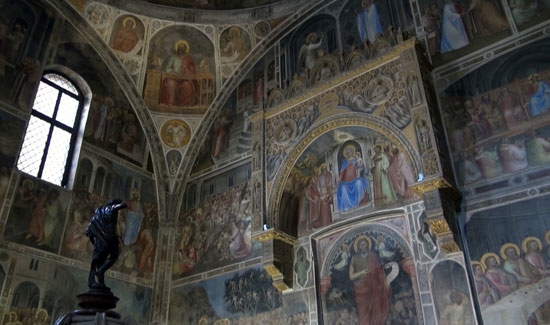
<point>53,129</point>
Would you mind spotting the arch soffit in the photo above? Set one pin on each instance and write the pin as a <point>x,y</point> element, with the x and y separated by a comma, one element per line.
<point>129,90</point>
<point>372,122</point>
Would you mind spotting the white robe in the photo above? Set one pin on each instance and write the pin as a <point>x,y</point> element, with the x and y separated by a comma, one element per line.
<point>453,33</point>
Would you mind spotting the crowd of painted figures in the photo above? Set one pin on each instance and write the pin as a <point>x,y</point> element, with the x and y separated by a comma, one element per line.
<point>499,275</point>
<point>503,130</point>
<point>27,316</point>
<point>383,178</point>
<point>216,232</point>
<point>251,293</point>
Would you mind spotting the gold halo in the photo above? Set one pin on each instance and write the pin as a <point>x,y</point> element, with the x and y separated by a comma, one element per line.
<point>129,18</point>
<point>547,237</point>
<point>504,247</point>
<point>527,240</point>
<point>486,256</point>
<point>184,43</point>
<point>234,31</point>
<point>360,238</point>
<point>346,147</point>
<point>476,263</point>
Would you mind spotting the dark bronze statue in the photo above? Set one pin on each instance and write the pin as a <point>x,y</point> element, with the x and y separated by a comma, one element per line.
<point>102,231</point>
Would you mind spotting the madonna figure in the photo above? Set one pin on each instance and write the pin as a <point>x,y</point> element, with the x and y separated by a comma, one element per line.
<point>353,187</point>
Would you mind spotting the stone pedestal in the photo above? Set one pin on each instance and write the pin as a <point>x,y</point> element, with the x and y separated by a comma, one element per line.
<point>96,305</point>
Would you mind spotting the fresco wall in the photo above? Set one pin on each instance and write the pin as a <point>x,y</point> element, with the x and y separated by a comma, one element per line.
<point>342,171</point>
<point>495,119</point>
<point>510,267</point>
<point>308,56</point>
<point>498,127</point>
<point>329,68</point>
<point>45,224</point>
<point>349,148</point>
<point>216,226</point>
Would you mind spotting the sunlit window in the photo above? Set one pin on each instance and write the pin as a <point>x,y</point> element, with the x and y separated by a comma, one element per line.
<point>51,134</point>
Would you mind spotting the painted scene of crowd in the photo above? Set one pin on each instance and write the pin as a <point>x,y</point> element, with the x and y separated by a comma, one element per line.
<point>501,131</point>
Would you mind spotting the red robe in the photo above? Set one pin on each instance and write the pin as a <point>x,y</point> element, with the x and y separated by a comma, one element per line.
<point>125,40</point>
<point>372,294</point>
<point>181,92</point>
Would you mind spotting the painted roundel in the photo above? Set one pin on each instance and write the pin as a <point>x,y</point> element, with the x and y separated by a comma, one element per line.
<point>175,133</point>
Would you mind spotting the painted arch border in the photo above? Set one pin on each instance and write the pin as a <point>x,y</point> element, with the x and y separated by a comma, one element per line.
<point>371,122</point>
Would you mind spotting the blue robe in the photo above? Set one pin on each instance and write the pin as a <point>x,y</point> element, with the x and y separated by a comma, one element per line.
<point>540,101</point>
<point>133,227</point>
<point>350,194</point>
<point>453,33</point>
<point>368,24</point>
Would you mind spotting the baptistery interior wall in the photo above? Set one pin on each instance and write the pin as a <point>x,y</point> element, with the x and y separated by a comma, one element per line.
<point>44,249</point>
<point>318,132</point>
<point>496,120</point>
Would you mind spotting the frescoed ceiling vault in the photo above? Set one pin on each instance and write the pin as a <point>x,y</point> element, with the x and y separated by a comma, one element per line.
<point>283,146</point>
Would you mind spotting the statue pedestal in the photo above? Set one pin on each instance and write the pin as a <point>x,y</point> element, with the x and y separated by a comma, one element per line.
<point>96,305</point>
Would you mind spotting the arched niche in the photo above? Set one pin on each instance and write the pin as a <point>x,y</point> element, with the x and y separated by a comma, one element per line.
<point>26,295</point>
<point>451,293</point>
<point>84,174</point>
<point>384,294</point>
<point>99,180</point>
<point>340,169</point>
